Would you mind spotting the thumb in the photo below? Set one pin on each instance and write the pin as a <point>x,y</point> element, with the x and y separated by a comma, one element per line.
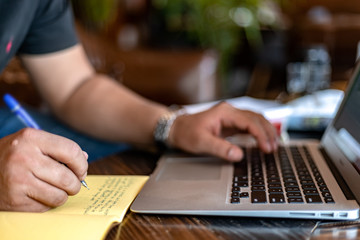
<point>222,148</point>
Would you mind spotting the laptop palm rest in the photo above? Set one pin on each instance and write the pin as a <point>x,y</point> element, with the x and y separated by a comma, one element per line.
<point>185,169</point>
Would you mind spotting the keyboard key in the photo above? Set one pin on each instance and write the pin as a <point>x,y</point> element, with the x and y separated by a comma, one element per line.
<point>306,182</point>
<point>292,189</point>
<point>235,200</point>
<point>244,195</point>
<point>240,184</point>
<point>272,174</point>
<point>329,200</point>
<point>274,185</point>
<point>258,197</point>
<point>290,179</point>
<point>324,189</point>
<point>311,192</point>
<point>293,194</point>
<point>275,190</point>
<point>258,183</point>
<point>321,184</point>
<point>276,198</point>
<point>305,178</point>
<point>288,174</point>
<point>256,175</point>
<point>240,178</point>
<point>313,199</point>
<point>309,187</point>
<point>326,194</point>
<point>235,194</point>
<point>295,200</point>
<point>319,178</point>
<point>291,184</point>
<point>274,181</point>
<point>240,168</point>
<point>243,184</point>
<point>254,178</point>
<point>303,173</point>
<point>258,188</point>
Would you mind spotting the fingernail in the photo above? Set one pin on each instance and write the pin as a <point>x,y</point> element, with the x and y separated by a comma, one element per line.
<point>234,154</point>
<point>268,147</point>
<point>86,155</point>
<point>275,145</point>
<point>230,153</point>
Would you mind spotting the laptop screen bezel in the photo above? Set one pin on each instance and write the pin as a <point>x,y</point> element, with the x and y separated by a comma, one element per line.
<point>332,148</point>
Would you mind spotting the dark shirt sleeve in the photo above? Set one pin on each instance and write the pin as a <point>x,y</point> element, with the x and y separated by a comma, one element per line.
<point>52,29</point>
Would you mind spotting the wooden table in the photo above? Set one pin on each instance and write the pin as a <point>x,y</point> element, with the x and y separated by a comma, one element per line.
<point>141,226</point>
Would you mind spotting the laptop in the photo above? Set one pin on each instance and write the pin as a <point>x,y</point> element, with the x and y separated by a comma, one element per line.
<point>306,179</point>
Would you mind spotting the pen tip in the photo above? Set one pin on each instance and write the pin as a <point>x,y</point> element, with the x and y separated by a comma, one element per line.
<point>84,184</point>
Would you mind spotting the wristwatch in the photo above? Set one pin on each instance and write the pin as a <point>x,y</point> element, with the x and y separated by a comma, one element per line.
<point>163,126</point>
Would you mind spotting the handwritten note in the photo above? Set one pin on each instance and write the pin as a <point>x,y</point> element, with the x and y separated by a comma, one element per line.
<point>87,215</point>
<point>108,195</point>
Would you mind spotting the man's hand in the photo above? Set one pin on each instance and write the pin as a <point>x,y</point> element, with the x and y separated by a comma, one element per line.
<point>33,176</point>
<point>202,133</point>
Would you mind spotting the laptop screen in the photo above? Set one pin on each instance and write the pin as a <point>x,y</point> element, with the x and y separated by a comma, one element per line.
<point>347,123</point>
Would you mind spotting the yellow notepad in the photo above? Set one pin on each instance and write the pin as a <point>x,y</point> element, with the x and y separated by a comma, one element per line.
<point>87,215</point>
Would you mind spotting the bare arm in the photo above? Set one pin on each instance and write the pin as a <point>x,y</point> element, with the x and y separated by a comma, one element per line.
<point>91,102</point>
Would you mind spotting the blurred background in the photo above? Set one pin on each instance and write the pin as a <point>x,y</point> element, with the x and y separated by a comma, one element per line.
<point>191,51</point>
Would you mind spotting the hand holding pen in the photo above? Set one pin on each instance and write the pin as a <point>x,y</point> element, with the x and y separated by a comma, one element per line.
<point>31,177</point>
<point>20,112</point>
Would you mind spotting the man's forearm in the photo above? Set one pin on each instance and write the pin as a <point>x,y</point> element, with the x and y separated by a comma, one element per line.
<point>90,102</point>
<point>103,108</point>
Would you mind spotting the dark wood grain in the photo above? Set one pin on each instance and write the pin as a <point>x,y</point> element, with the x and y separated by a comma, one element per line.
<point>139,226</point>
<point>132,162</point>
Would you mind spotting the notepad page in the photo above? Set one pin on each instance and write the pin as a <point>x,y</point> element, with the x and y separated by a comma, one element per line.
<point>87,215</point>
<point>108,195</point>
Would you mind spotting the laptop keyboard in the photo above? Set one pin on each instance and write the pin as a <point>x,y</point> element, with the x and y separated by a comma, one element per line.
<point>279,178</point>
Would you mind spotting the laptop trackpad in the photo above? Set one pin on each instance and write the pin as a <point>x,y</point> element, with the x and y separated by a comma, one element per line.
<point>191,169</point>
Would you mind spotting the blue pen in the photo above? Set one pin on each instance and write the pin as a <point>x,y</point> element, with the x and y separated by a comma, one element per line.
<point>20,112</point>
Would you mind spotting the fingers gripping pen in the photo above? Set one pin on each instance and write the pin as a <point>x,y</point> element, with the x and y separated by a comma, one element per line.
<point>21,113</point>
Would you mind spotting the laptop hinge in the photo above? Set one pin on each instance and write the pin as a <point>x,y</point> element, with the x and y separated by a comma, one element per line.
<point>340,180</point>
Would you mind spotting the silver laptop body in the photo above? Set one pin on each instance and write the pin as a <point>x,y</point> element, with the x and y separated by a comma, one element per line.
<point>201,185</point>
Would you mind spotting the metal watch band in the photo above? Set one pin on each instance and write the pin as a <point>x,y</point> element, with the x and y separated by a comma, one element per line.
<point>163,126</point>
